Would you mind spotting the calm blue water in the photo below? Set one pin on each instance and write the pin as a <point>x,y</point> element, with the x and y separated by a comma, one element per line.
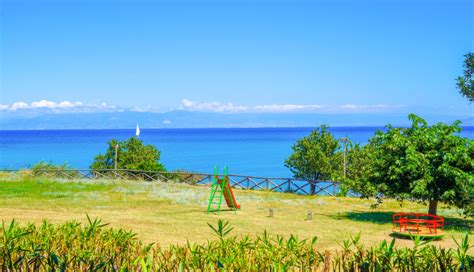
<point>256,151</point>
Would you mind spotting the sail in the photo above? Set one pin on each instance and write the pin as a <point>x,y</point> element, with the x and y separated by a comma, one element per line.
<point>137,133</point>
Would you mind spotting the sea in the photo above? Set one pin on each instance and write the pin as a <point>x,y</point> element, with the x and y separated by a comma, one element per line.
<point>246,151</point>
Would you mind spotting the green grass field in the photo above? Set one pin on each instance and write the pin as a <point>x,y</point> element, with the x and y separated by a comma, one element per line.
<point>174,213</point>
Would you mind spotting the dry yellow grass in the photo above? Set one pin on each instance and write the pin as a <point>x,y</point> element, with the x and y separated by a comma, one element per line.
<point>174,213</point>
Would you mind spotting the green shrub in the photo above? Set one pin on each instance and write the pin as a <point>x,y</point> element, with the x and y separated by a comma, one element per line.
<point>49,169</point>
<point>77,247</point>
<point>185,176</point>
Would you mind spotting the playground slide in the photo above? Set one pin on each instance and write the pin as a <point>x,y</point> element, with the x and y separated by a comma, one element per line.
<point>229,197</point>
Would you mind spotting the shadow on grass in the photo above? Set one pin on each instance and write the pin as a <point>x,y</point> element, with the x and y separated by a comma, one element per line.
<point>451,223</point>
<point>403,237</point>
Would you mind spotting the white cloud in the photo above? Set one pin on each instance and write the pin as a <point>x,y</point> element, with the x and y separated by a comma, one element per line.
<point>103,106</point>
<point>145,109</point>
<point>190,105</point>
<point>45,106</point>
<point>211,106</point>
<point>231,108</point>
<point>166,122</point>
<point>54,105</point>
<point>18,105</point>
<point>367,108</point>
<point>57,107</point>
<point>287,108</point>
<point>352,106</point>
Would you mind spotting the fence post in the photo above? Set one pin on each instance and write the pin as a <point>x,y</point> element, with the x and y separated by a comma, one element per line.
<point>270,213</point>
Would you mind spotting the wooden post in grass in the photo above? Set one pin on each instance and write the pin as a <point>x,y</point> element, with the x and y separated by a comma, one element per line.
<point>310,215</point>
<point>115,163</point>
<point>270,213</point>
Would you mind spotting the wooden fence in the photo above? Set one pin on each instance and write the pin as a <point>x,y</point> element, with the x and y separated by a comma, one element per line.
<point>289,185</point>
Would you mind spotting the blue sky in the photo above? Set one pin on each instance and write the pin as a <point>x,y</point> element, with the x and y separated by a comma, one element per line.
<point>236,56</point>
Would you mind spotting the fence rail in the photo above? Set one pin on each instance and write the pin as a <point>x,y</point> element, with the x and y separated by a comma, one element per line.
<point>289,185</point>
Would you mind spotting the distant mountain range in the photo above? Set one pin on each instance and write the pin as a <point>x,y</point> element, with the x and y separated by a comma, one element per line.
<point>188,119</point>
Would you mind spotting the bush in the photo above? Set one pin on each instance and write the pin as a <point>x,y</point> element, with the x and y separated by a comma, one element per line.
<point>49,169</point>
<point>184,176</point>
<point>75,247</point>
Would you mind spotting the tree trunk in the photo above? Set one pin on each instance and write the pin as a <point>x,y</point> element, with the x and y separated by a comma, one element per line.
<point>433,207</point>
<point>312,188</point>
<point>312,185</point>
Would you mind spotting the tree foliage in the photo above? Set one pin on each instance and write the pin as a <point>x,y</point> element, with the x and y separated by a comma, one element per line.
<point>132,154</point>
<point>465,83</point>
<point>358,167</point>
<point>320,156</point>
<point>427,163</point>
<point>316,157</point>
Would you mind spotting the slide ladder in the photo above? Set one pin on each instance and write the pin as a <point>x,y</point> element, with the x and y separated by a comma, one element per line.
<point>220,188</point>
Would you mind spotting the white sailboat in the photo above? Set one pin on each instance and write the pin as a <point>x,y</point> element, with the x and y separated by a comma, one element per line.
<point>137,132</point>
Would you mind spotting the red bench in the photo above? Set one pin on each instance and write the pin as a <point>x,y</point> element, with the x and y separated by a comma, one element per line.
<point>418,224</point>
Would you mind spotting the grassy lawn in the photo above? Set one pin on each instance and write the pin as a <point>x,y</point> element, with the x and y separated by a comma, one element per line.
<point>174,213</point>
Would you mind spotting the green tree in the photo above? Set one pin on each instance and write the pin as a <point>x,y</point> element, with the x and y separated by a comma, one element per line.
<point>465,83</point>
<point>358,167</point>
<point>427,163</point>
<point>132,154</point>
<point>316,157</point>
